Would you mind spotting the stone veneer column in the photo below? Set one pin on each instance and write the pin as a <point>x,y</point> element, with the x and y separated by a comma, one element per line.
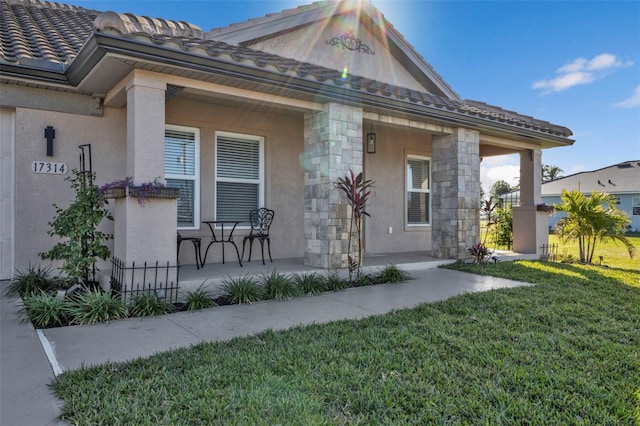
<point>145,233</point>
<point>333,146</point>
<point>455,193</point>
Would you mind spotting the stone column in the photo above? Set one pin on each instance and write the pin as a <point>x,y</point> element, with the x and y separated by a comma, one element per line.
<point>333,146</point>
<point>455,193</point>
<point>147,232</point>
<point>528,238</point>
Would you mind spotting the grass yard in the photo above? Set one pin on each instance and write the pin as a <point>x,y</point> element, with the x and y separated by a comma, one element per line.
<point>614,253</point>
<point>566,351</point>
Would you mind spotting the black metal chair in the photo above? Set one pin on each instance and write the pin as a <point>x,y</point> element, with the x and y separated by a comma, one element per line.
<point>197,241</point>
<point>260,223</point>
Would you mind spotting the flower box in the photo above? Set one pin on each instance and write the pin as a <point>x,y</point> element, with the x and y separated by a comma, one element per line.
<point>143,192</point>
<point>113,193</point>
<point>140,192</point>
<point>545,208</point>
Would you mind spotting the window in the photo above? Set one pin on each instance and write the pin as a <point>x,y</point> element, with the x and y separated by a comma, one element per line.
<point>418,190</point>
<point>635,206</point>
<point>182,171</point>
<point>239,175</point>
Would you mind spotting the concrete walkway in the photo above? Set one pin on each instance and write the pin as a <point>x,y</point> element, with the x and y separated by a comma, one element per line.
<point>26,368</point>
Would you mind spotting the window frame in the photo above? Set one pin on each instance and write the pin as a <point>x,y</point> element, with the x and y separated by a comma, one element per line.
<point>634,200</point>
<point>261,170</point>
<point>196,173</point>
<point>408,225</point>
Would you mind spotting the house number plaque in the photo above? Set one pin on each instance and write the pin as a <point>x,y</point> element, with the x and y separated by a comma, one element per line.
<point>47,167</point>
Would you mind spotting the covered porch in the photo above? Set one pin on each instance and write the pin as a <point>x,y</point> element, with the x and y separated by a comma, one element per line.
<point>213,274</point>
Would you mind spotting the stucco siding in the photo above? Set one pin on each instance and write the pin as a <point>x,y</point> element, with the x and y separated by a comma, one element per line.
<point>284,184</point>
<point>388,199</point>
<point>312,43</point>
<point>35,193</point>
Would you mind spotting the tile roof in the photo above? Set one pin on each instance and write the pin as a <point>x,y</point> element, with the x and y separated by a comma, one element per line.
<point>615,179</point>
<point>35,31</point>
<point>39,34</point>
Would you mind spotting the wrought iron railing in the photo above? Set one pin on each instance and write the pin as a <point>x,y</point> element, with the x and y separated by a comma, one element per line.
<point>135,280</point>
<point>549,252</point>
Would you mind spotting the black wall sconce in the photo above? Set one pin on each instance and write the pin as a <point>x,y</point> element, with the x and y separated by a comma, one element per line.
<point>371,142</point>
<point>49,135</point>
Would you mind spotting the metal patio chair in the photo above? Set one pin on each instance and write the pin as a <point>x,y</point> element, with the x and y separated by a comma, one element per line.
<point>260,223</point>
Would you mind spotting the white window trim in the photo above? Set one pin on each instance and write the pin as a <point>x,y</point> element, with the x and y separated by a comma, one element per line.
<point>634,200</point>
<point>261,168</point>
<point>406,192</point>
<point>196,175</point>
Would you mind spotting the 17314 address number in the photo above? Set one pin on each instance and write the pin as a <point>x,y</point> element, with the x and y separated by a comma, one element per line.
<point>49,168</point>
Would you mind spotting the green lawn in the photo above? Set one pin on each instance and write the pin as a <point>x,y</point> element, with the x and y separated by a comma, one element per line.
<point>566,351</point>
<point>614,253</point>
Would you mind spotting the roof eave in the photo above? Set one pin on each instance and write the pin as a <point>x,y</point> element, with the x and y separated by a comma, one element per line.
<point>21,72</point>
<point>102,43</point>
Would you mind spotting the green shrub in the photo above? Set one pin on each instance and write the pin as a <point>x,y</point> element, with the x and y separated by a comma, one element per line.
<point>34,280</point>
<point>309,283</point>
<point>392,274</point>
<point>279,286</point>
<point>243,289</point>
<point>365,280</point>
<point>43,310</point>
<point>148,305</point>
<point>200,298</point>
<point>333,282</point>
<point>95,306</point>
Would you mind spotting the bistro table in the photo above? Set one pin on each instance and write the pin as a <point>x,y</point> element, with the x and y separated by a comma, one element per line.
<point>215,238</point>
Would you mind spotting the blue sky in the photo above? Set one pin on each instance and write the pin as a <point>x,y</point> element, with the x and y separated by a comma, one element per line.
<point>573,63</point>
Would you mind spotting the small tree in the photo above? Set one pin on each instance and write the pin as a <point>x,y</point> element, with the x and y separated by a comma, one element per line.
<point>503,233</point>
<point>500,187</point>
<point>356,190</point>
<point>591,219</point>
<point>81,243</point>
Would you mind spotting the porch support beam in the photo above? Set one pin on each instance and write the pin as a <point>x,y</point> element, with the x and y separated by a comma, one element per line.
<point>455,193</point>
<point>145,233</point>
<point>528,238</point>
<point>333,146</point>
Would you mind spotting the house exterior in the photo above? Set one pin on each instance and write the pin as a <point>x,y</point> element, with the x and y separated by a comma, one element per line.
<point>621,180</point>
<point>269,112</point>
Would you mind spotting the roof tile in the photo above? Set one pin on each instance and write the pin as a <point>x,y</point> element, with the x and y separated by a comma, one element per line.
<point>53,34</point>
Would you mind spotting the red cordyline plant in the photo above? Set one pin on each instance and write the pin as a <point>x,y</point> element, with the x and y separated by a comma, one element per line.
<point>357,192</point>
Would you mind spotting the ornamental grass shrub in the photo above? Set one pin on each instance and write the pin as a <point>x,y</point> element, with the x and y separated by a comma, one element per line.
<point>279,286</point>
<point>200,298</point>
<point>309,282</point>
<point>149,305</point>
<point>43,310</point>
<point>34,279</point>
<point>243,289</point>
<point>94,306</point>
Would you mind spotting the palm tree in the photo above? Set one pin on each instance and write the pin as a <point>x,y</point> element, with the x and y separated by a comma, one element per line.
<point>591,219</point>
<point>550,173</point>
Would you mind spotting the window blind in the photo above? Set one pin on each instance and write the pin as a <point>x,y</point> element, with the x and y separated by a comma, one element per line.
<point>179,153</point>
<point>236,200</point>
<point>418,191</point>
<point>238,179</point>
<point>238,158</point>
<point>186,201</point>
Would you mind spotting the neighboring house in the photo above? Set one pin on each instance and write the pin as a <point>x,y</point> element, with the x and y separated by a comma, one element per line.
<point>621,180</point>
<point>268,112</point>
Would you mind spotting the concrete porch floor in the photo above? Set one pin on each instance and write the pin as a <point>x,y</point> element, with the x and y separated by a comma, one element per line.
<point>212,274</point>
